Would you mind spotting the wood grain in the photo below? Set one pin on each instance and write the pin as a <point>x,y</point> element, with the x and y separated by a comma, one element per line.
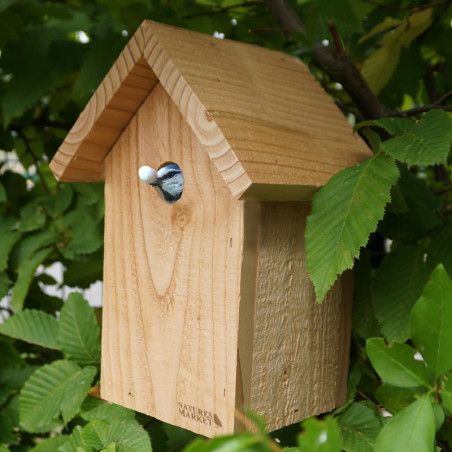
<point>171,278</point>
<point>297,363</point>
<point>265,122</point>
<point>207,304</point>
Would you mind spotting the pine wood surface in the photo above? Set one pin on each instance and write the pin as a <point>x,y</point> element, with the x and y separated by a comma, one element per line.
<point>207,305</point>
<point>171,279</point>
<point>265,122</point>
<point>293,352</point>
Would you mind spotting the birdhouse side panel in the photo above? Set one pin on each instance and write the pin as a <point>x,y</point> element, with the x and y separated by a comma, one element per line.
<point>171,278</point>
<point>300,348</point>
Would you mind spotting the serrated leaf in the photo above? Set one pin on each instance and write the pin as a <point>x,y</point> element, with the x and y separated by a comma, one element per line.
<point>78,334</point>
<point>127,434</point>
<point>56,205</point>
<point>360,428</point>
<point>411,430</point>
<point>8,240</point>
<point>75,392</point>
<point>344,213</point>
<point>431,320</point>
<point>86,234</point>
<point>25,275</point>
<point>50,444</point>
<point>4,284</point>
<point>396,364</point>
<point>32,217</point>
<point>398,285</point>
<point>28,246</point>
<point>93,408</point>
<point>32,326</point>
<point>54,388</point>
<point>427,143</point>
<point>73,442</point>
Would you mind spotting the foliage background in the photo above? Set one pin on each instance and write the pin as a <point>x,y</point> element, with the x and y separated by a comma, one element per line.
<point>388,65</point>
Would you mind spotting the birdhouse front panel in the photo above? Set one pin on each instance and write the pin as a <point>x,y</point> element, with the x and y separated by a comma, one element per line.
<point>171,278</point>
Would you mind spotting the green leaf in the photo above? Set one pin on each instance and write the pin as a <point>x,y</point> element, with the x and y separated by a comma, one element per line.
<point>50,444</point>
<point>244,442</point>
<point>8,240</point>
<point>380,66</point>
<point>86,234</point>
<point>431,320</point>
<point>440,249</point>
<point>364,322</point>
<point>398,285</point>
<point>426,143</point>
<point>127,434</point>
<point>6,430</point>
<point>4,284</point>
<point>55,388</point>
<point>25,276</point>
<point>78,333</point>
<point>396,364</point>
<point>33,216</point>
<point>344,212</point>
<point>411,430</point>
<point>28,246</point>
<point>360,428</point>
<point>93,408</point>
<point>446,393</point>
<point>320,436</point>
<point>74,441</point>
<point>32,326</point>
<point>395,399</point>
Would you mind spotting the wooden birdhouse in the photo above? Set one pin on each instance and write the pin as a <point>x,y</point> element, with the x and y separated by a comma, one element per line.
<point>207,304</point>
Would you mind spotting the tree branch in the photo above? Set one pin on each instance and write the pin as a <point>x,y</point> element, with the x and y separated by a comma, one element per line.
<point>339,66</point>
<point>409,7</point>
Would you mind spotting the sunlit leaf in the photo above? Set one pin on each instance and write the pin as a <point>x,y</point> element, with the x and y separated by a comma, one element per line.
<point>344,212</point>
<point>426,143</point>
<point>32,326</point>
<point>54,389</point>
<point>78,334</point>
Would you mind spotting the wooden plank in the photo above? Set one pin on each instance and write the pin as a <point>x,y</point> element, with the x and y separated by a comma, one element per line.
<point>296,363</point>
<point>171,278</point>
<point>104,118</point>
<point>250,106</point>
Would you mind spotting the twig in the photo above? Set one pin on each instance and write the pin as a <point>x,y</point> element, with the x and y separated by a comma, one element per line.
<point>269,29</point>
<point>443,98</point>
<point>336,38</point>
<point>409,7</point>
<point>417,110</point>
<point>339,66</point>
<point>35,159</point>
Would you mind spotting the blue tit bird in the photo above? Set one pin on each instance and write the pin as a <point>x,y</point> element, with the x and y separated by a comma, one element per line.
<point>168,180</point>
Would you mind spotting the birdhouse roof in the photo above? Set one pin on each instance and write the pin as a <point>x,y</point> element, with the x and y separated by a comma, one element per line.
<point>267,125</point>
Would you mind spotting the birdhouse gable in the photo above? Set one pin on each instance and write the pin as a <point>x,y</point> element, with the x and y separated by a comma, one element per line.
<point>265,122</point>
